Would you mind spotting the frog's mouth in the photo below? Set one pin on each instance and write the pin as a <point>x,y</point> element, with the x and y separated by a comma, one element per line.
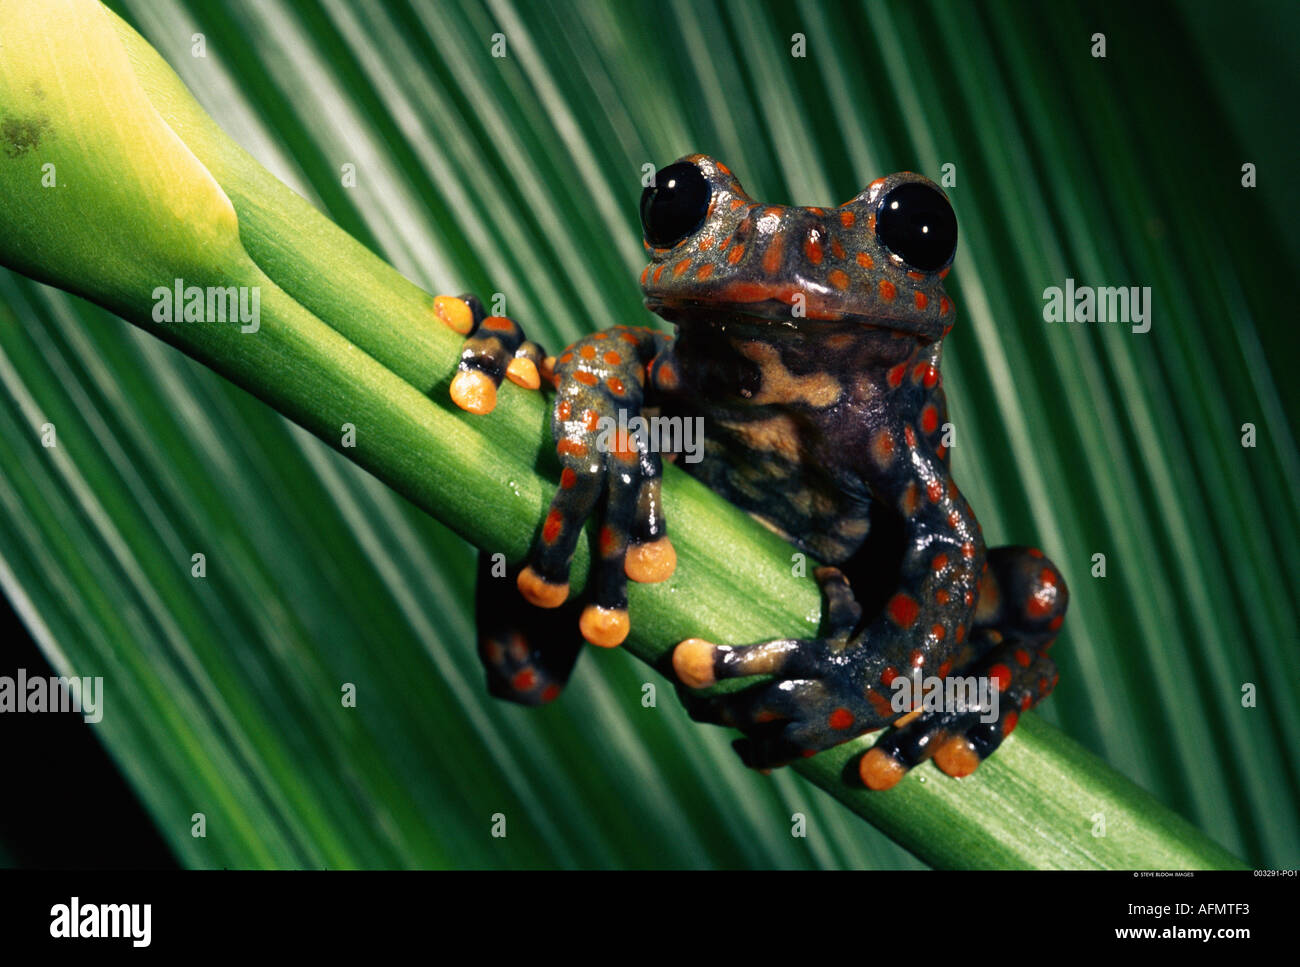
<point>792,302</point>
<point>777,311</point>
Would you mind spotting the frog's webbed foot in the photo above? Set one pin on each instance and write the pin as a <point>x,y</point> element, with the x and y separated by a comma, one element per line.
<point>1023,598</point>
<point>600,389</point>
<point>528,654</point>
<point>825,691</point>
<point>494,349</point>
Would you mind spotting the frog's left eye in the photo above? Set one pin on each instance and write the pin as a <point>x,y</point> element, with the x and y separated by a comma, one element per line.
<point>675,205</point>
<point>916,223</point>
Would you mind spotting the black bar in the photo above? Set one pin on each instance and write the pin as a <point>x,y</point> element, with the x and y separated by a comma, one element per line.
<point>556,914</point>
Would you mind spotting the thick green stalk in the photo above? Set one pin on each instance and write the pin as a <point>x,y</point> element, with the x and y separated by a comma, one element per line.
<point>344,339</point>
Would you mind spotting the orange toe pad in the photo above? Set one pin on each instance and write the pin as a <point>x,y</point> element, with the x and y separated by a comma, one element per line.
<point>606,627</point>
<point>880,770</point>
<point>693,663</point>
<point>523,372</point>
<point>651,562</point>
<point>473,392</point>
<point>540,592</point>
<point>454,312</point>
<point>957,757</point>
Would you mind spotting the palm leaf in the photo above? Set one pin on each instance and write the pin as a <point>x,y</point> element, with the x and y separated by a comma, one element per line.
<point>520,174</point>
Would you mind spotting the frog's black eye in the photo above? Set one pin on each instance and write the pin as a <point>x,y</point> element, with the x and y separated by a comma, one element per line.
<point>674,206</point>
<point>916,223</point>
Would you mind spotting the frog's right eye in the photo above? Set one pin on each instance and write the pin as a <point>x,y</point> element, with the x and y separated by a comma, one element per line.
<point>675,205</point>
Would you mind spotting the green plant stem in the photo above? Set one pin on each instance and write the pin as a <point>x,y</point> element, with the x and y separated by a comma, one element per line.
<point>344,339</point>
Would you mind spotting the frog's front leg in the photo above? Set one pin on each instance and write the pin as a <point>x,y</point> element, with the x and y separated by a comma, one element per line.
<point>829,689</point>
<point>601,388</point>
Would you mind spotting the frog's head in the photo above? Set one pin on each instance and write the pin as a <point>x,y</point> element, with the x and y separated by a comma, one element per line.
<point>879,259</point>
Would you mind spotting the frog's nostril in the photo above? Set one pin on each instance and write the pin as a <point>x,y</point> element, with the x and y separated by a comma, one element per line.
<point>916,223</point>
<point>674,206</point>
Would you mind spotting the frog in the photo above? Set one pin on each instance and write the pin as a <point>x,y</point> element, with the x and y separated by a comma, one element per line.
<point>807,345</point>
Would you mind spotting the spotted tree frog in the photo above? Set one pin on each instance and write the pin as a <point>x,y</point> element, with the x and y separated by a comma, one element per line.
<point>808,341</point>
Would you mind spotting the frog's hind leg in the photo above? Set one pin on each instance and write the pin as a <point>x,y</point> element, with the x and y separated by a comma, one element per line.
<point>527,652</point>
<point>1022,605</point>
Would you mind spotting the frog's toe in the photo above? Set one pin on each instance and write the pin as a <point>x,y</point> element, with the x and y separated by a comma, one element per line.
<point>494,349</point>
<point>651,557</point>
<point>544,581</point>
<point>605,622</point>
<point>957,756</point>
<point>604,627</point>
<point>474,392</point>
<point>880,769</point>
<point>753,708</point>
<point>651,562</point>
<point>1008,679</point>
<point>842,611</point>
<point>540,592</point>
<point>957,743</point>
<point>699,663</point>
<point>586,474</point>
<point>458,312</point>
<point>522,369</point>
<point>782,720</point>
